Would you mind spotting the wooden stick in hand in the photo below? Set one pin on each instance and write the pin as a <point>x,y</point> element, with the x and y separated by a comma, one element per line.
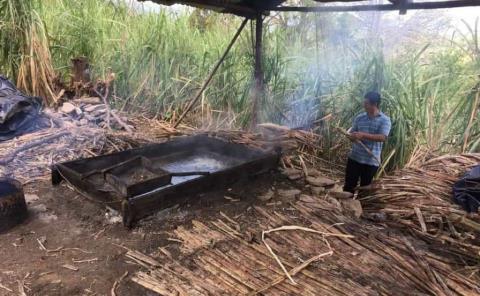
<point>347,134</point>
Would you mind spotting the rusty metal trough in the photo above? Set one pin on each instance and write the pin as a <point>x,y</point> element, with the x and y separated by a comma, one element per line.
<point>139,182</point>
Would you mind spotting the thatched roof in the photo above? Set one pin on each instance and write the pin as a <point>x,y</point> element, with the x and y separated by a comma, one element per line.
<point>250,8</point>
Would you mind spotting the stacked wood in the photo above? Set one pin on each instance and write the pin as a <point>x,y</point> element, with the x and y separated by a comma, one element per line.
<point>419,199</point>
<point>323,251</point>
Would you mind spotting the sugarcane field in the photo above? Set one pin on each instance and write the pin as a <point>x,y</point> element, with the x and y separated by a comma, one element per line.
<point>238,147</point>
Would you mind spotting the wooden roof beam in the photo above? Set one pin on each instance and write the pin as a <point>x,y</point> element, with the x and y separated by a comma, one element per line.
<point>216,5</point>
<point>381,7</point>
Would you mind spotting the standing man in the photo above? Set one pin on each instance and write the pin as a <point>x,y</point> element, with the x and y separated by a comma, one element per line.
<point>371,128</point>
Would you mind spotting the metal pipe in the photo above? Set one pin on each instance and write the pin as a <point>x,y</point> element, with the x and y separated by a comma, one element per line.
<point>212,73</point>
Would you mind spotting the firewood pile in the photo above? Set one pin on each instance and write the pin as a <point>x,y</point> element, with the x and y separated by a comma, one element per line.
<point>308,248</point>
<point>419,199</point>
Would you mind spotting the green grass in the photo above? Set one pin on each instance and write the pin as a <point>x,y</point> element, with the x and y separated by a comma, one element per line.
<point>15,20</point>
<point>160,60</point>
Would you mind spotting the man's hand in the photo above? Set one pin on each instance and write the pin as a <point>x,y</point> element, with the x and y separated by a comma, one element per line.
<point>356,136</point>
<point>359,136</point>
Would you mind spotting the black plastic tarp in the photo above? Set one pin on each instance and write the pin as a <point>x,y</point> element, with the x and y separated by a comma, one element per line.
<point>466,191</point>
<point>18,112</point>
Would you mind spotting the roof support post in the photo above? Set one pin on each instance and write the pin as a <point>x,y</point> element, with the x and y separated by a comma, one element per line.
<point>212,73</point>
<point>258,91</point>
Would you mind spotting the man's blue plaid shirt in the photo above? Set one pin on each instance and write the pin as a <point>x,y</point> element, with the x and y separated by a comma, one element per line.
<point>380,124</point>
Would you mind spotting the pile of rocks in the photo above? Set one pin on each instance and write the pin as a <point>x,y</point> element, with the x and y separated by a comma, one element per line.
<point>316,186</point>
<point>315,180</point>
<point>91,111</point>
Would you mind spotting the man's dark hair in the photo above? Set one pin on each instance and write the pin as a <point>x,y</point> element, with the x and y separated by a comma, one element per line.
<point>374,98</point>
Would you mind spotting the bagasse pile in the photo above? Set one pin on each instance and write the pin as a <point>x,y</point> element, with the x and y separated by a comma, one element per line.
<point>29,157</point>
<point>343,257</point>
<point>419,199</point>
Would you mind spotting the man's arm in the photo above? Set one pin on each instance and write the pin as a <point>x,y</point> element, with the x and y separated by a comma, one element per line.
<point>370,137</point>
<point>380,136</point>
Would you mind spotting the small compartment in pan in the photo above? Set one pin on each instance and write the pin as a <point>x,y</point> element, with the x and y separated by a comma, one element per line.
<point>136,176</point>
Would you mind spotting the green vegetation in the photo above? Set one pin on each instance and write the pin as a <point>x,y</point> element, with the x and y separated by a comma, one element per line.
<point>24,51</point>
<point>14,26</point>
<point>314,66</point>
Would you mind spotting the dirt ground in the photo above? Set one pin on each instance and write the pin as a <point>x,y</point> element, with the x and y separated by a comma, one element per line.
<point>85,243</point>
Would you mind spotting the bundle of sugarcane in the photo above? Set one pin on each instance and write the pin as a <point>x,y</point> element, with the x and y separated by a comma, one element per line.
<point>298,147</point>
<point>271,135</point>
<point>419,198</point>
<point>239,137</point>
<point>304,139</point>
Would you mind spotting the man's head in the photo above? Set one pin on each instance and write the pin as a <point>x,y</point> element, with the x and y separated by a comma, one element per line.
<point>372,102</point>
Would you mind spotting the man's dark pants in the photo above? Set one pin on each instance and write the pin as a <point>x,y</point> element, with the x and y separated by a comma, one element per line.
<point>355,171</point>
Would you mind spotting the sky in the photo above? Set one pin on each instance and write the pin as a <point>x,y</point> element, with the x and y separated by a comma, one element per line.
<point>466,13</point>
